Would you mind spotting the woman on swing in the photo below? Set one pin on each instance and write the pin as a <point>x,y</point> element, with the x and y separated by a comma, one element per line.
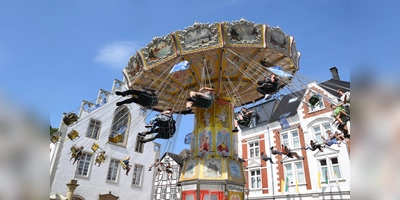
<point>205,93</point>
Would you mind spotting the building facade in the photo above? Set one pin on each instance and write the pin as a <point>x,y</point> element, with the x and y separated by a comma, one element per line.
<point>165,187</point>
<point>98,121</point>
<point>321,175</point>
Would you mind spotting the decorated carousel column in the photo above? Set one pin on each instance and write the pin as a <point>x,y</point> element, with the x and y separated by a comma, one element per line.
<point>214,169</point>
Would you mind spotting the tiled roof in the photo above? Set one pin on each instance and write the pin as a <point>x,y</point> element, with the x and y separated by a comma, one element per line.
<point>175,157</point>
<point>290,109</point>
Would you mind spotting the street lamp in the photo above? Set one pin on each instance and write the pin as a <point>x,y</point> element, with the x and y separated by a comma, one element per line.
<point>246,192</point>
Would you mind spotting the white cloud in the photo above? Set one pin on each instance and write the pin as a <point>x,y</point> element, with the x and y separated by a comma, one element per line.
<point>116,55</point>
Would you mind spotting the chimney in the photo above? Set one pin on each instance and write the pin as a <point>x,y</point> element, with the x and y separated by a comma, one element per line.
<point>335,74</point>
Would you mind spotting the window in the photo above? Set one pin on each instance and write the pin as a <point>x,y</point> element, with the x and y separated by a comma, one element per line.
<point>319,106</point>
<point>320,130</point>
<point>295,171</point>
<point>155,194</point>
<point>173,194</point>
<point>291,139</point>
<point>137,175</point>
<point>254,149</point>
<point>113,171</point>
<point>330,169</point>
<point>163,193</point>
<point>121,123</point>
<point>83,165</point>
<point>255,177</point>
<point>93,129</point>
<point>175,171</point>
<point>139,145</point>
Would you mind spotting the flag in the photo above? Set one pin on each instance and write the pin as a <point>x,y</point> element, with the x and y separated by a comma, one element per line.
<point>287,184</point>
<point>279,71</point>
<point>188,138</point>
<point>284,123</point>
<point>326,176</point>
<point>282,184</point>
<point>297,186</point>
<point>319,180</point>
<point>184,65</point>
<point>336,179</point>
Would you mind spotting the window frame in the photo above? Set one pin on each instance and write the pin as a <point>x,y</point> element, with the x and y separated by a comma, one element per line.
<point>255,148</point>
<point>322,126</point>
<point>118,171</point>
<point>98,131</point>
<point>139,146</point>
<point>256,176</point>
<point>320,106</point>
<point>114,128</point>
<point>295,172</point>
<point>134,175</point>
<point>329,166</point>
<point>86,161</point>
<point>290,140</point>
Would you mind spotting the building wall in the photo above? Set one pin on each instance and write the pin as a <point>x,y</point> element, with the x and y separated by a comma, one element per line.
<point>271,175</point>
<point>96,182</point>
<point>161,181</point>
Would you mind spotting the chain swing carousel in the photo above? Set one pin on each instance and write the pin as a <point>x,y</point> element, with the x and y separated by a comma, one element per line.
<point>229,57</point>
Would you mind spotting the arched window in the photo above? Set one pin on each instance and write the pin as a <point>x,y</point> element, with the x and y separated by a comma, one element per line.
<point>121,124</point>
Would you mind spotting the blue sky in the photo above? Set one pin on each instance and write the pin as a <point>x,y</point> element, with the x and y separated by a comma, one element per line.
<point>54,54</point>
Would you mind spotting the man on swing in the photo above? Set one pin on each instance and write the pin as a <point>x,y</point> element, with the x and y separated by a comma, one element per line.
<point>205,93</point>
<point>268,85</point>
<point>147,97</point>
<point>163,124</point>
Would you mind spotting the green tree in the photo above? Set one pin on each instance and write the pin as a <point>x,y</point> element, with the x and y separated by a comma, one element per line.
<point>53,130</point>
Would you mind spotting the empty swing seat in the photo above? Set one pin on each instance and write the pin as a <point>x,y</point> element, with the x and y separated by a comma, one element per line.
<point>95,146</point>
<point>73,135</point>
<point>313,100</point>
<point>70,119</point>
<point>147,100</point>
<point>54,139</point>
<point>203,102</point>
<point>115,138</point>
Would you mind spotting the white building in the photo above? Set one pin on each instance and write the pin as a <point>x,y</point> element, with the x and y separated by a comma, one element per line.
<point>321,175</point>
<point>108,181</point>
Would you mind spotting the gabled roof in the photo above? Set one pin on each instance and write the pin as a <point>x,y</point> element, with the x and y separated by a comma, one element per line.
<point>290,109</point>
<point>333,85</point>
<point>175,157</point>
<point>286,107</point>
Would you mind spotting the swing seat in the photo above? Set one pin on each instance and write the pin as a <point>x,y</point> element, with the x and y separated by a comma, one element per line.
<point>203,102</point>
<point>74,150</point>
<point>115,138</point>
<point>70,119</point>
<point>73,135</point>
<point>101,158</point>
<point>95,146</point>
<point>54,139</point>
<point>122,164</point>
<point>244,122</point>
<point>313,100</point>
<point>166,129</point>
<point>147,100</point>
